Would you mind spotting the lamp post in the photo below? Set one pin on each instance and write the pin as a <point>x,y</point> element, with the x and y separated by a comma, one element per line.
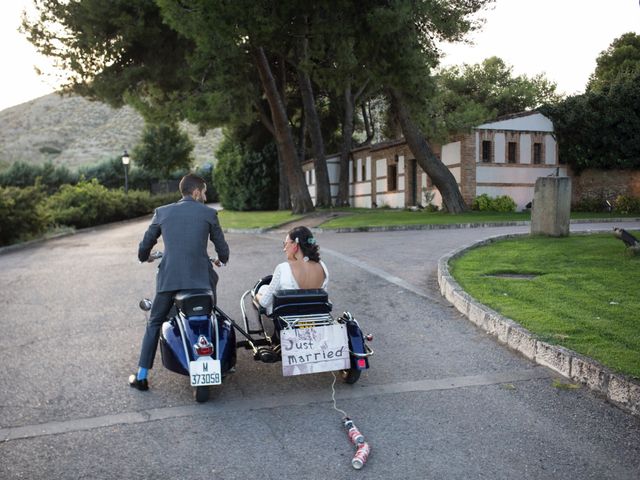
<point>125,161</point>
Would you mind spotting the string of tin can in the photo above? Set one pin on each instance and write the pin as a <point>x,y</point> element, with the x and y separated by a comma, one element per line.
<point>363,449</point>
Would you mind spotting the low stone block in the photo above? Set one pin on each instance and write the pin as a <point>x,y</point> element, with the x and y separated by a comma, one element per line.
<point>522,341</point>
<point>634,398</point>
<point>501,328</point>
<point>618,390</point>
<point>476,312</point>
<point>594,375</point>
<point>459,300</point>
<point>554,357</point>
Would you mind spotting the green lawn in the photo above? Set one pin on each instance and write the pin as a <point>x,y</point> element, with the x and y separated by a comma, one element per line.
<point>231,219</point>
<point>585,293</point>
<point>359,218</point>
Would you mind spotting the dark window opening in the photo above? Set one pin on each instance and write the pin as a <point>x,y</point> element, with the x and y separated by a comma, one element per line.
<point>486,151</point>
<point>392,177</point>
<point>537,153</point>
<point>512,149</point>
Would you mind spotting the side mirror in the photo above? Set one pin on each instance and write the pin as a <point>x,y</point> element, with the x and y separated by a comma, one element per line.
<point>145,304</point>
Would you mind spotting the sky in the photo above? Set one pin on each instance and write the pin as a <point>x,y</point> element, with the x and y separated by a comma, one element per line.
<point>559,38</point>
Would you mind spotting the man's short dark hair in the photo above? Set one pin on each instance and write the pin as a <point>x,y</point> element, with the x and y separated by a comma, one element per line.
<point>191,182</point>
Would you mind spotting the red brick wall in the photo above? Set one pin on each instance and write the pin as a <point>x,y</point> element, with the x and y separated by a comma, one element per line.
<point>606,184</point>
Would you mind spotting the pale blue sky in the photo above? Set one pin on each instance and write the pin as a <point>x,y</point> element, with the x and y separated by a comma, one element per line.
<point>560,38</point>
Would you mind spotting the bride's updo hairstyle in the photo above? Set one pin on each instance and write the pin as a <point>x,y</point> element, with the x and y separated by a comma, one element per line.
<point>306,241</point>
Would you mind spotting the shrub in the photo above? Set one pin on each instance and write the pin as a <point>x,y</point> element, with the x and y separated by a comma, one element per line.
<point>627,204</point>
<point>22,174</point>
<point>485,203</point>
<point>85,204</point>
<point>246,179</point>
<point>591,204</point>
<point>88,204</point>
<point>481,203</point>
<point>22,214</point>
<point>503,203</point>
<point>109,173</point>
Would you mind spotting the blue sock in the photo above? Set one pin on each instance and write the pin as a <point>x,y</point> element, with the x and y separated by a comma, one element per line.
<point>142,373</point>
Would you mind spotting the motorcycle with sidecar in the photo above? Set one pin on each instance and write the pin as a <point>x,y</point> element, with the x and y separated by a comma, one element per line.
<point>199,339</point>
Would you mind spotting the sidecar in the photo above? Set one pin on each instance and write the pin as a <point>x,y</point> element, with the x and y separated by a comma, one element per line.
<point>301,333</point>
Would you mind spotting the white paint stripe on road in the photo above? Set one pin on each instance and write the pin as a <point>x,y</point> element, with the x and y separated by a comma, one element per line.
<point>257,403</point>
<point>384,275</point>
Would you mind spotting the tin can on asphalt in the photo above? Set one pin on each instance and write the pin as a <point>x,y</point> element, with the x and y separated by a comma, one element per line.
<point>360,458</point>
<point>352,431</point>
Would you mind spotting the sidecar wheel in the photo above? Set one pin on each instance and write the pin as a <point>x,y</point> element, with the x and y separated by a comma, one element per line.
<point>202,394</point>
<point>351,376</point>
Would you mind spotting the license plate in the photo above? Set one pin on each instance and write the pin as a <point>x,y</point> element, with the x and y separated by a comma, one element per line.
<point>205,371</point>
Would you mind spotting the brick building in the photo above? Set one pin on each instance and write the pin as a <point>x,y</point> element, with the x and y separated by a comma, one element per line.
<point>504,157</point>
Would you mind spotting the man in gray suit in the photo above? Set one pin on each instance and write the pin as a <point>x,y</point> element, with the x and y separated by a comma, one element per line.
<point>185,226</point>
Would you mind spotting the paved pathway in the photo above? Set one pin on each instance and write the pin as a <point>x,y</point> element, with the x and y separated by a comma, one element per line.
<point>442,399</point>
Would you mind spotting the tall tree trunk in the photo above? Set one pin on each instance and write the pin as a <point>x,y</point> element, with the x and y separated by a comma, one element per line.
<point>441,176</point>
<point>298,191</point>
<point>284,202</point>
<point>342,200</point>
<point>284,199</point>
<point>323,189</point>
<point>369,127</point>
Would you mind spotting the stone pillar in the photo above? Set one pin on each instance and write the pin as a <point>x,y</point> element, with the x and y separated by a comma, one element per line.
<point>551,207</point>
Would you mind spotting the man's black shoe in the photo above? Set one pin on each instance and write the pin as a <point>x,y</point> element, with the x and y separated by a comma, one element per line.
<point>139,384</point>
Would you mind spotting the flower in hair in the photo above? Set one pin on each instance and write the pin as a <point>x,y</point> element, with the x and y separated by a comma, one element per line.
<point>311,241</point>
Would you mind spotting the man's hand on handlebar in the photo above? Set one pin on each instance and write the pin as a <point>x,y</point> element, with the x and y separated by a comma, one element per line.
<point>217,262</point>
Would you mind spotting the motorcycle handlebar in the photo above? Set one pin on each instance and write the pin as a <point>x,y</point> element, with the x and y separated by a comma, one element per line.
<point>158,255</point>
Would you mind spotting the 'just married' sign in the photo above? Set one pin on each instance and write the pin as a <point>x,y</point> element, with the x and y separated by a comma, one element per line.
<point>314,349</point>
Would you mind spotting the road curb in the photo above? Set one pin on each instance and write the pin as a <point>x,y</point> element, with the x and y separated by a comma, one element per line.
<point>445,226</point>
<point>618,389</point>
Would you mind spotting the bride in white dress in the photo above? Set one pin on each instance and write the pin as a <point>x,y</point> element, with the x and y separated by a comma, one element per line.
<point>302,270</point>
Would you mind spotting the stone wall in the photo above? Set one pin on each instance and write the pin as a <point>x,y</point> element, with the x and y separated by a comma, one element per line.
<point>607,184</point>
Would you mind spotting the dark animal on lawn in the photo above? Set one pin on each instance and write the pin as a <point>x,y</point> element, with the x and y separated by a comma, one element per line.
<point>628,239</point>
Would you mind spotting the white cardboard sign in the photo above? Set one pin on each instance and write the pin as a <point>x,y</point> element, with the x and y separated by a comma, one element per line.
<point>314,349</point>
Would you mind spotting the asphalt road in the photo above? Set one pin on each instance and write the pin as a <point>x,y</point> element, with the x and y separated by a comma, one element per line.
<point>442,400</point>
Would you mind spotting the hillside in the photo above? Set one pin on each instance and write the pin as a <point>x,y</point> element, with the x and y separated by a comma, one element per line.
<point>73,131</point>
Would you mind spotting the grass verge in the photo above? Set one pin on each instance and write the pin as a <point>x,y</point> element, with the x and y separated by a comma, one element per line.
<point>580,292</point>
<point>247,220</point>
<point>360,218</point>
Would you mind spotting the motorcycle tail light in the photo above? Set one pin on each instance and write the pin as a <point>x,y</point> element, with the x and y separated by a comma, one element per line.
<point>203,347</point>
<point>362,363</point>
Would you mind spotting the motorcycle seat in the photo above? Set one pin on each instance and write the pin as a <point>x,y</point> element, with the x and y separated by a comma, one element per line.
<point>301,302</point>
<point>194,302</point>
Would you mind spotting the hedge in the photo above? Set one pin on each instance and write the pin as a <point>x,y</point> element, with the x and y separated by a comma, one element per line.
<point>26,213</point>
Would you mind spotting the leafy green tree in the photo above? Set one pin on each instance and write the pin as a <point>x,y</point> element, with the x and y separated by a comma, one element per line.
<point>599,128</point>
<point>163,149</point>
<point>472,94</point>
<point>222,62</point>
<point>620,60</point>
<point>244,178</point>
<point>413,28</point>
<point>217,62</point>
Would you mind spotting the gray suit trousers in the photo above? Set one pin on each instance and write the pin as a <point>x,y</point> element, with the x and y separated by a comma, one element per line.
<point>160,308</point>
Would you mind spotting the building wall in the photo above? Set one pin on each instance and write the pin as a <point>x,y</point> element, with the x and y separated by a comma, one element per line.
<point>368,168</point>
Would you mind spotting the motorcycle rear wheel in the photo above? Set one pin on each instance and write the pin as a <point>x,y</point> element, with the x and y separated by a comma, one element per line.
<point>351,376</point>
<point>202,394</point>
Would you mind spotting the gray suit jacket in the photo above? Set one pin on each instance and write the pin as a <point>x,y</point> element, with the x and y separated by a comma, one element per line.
<point>185,226</point>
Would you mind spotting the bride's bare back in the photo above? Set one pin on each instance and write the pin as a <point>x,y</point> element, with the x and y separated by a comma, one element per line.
<point>308,274</point>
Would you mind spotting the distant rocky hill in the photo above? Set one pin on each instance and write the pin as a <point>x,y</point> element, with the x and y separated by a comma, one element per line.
<point>73,131</point>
